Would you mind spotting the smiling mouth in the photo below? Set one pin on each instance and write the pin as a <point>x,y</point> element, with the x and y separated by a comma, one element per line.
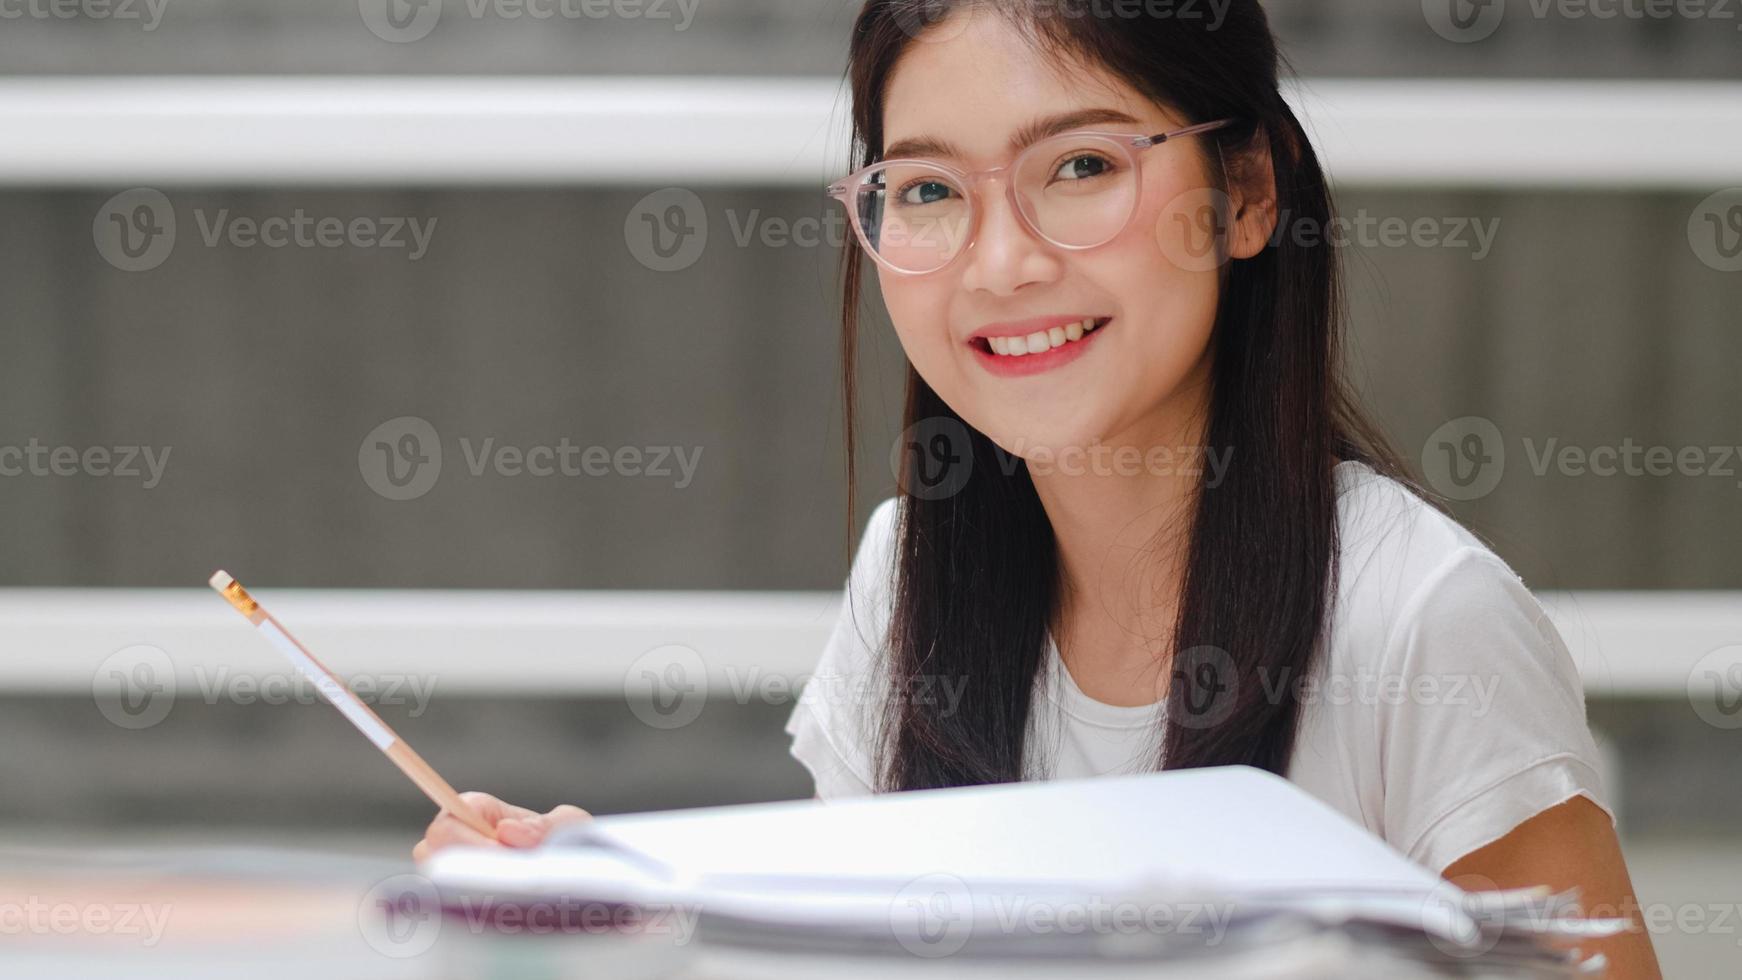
<point>1040,341</point>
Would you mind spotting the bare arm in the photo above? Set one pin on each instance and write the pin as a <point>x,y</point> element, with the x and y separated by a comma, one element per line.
<point>1569,846</point>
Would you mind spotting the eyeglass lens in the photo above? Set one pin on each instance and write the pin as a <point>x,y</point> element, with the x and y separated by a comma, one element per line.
<point>1076,191</point>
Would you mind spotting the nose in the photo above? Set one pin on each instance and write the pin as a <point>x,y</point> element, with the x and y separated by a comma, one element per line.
<point>1004,254</point>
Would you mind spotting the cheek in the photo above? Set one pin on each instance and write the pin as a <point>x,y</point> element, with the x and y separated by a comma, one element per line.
<point>919,310</point>
<point>1184,221</point>
<point>1165,275</point>
<point>1165,268</point>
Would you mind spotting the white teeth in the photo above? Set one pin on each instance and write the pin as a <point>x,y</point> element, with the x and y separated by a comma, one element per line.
<point>1040,341</point>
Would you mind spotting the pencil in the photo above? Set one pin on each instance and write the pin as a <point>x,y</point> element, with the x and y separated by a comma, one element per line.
<point>358,713</point>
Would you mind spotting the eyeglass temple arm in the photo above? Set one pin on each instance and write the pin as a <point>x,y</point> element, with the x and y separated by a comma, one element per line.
<point>1188,131</point>
<point>837,188</point>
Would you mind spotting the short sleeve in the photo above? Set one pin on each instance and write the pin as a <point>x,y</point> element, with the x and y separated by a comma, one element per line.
<point>834,724</point>
<point>1486,724</point>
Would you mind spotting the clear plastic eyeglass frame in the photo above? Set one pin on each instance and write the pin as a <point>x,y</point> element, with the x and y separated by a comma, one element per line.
<point>849,187</point>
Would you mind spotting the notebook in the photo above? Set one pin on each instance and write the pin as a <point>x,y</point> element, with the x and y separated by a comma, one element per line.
<point>1234,842</point>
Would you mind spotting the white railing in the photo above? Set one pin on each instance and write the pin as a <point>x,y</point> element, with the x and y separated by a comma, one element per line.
<point>454,131</point>
<point>586,643</point>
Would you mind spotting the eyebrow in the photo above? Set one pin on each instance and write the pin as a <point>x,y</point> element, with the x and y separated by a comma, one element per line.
<point>1039,129</point>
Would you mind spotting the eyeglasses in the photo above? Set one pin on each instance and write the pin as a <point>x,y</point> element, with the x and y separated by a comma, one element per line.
<point>1076,191</point>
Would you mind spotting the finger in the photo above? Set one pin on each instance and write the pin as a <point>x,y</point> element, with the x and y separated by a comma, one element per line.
<point>493,810</point>
<point>488,807</point>
<point>566,814</point>
<point>520,832</point>
<point>447,830</point>
<point>532,831</point>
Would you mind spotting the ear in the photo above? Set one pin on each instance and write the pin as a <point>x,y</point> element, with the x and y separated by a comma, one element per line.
<point>1252,194</point>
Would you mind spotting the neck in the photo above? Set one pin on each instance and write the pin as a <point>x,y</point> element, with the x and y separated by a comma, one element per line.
<point>1122,521</point>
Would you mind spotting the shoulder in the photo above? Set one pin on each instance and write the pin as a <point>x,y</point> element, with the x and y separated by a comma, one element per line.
<point>1448,709</point>
<point>836,720</point>
<point>869,595</point>
<point>1402,561</point>
<point>1387,532</point>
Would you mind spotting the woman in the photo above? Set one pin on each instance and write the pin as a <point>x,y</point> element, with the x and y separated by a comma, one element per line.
<point>1142,523</point>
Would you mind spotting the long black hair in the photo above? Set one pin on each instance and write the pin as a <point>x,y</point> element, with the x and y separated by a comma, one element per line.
<point>976,570</point>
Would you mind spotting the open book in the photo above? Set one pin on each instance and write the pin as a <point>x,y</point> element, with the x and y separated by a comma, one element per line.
<point>1225,848</point>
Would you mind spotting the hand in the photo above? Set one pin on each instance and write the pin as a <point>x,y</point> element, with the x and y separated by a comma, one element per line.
<point>515,826</point>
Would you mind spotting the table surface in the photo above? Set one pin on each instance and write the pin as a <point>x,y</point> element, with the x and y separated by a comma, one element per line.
<point>226,912</point>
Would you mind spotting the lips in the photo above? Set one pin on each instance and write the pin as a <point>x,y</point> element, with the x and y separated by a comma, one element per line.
<point>1033,346</point>
<point>1041,340</point>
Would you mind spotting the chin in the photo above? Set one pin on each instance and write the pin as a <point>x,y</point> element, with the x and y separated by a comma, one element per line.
<point>1040,435</point>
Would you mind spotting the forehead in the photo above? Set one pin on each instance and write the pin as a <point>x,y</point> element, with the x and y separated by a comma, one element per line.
<point>976,85</point>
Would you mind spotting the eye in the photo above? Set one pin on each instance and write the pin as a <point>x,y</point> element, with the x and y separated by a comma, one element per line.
<point>924,191</point>
<point>1080,166</point>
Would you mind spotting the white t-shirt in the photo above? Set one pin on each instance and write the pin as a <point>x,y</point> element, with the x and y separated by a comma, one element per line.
<point>1447,711</point>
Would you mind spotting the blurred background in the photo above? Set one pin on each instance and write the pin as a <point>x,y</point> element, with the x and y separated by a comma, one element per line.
<point>494,345</point>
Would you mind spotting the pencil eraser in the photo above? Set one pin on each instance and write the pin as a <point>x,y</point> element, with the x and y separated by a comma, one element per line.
<point>221,580</point>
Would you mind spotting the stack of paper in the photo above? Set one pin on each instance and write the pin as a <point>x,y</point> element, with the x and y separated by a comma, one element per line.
<point>1191,864</point>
